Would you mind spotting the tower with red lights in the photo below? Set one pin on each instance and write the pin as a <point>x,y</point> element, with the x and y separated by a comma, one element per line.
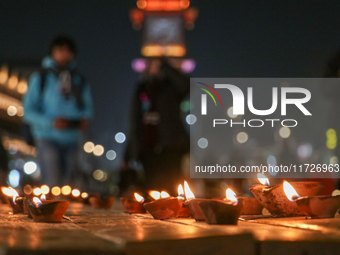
<point>163,24</point>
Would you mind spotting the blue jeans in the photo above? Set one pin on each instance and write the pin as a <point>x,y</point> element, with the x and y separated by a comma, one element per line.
<point>57,162</point>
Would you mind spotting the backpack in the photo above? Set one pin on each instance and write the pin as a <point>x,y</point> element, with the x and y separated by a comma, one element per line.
<point>26,129</point>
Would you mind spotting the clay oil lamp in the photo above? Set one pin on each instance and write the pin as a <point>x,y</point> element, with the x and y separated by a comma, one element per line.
<point>133,204</point>
<point>14,199</point>
<point>164,206</point>
<point>48,211</point>
<point>42,200</point>
<point>314,206</point>
<point>183,211</point>
<point>274,199</point>
<point>222,212</point>
<point>101,202</point>
<point>250,205</point>
<point>193,203</point>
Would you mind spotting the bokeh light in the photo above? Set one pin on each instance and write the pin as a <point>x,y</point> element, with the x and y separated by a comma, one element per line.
<point>88,147</point>
<point>76,193</point>
<point>98,150</point>
<point>191,119</point>
<point>45,189</point>
<point>56,191</point>
<point>230,113</point>
<point>14,178</point>
<point>242,137</point>
<point>66,190</point>
<point>12,110</point>
<point>111,155</point>
<point>202,143</point>
<point>120,137</point>
<point>284,132</point>
<point>37,192</point>
<point>30,167</point>
<point>84,195</point>
<point>28,189</point>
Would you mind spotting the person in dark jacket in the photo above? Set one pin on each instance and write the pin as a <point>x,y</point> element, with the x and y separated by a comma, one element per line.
<point>158,138</point>
<point>58,106</point>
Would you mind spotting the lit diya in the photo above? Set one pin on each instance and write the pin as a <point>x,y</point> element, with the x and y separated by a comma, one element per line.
<point>193,203</point>
<point>164,206</point>
<point>314,206</point>
<point>274,199</point>
<point>99,202</point>
<point>222,212</point>
<point>47,210</point>
<point>183,211</point>
<point>250,205</point>
<point>14,199</point>
<point>133,204</point>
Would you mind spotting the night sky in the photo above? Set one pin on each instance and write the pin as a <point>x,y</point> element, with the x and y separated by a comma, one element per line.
<point>231,39</point>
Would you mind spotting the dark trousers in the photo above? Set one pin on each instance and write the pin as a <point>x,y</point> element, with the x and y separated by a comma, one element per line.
<point>162,171</point>
<point>57,162</point>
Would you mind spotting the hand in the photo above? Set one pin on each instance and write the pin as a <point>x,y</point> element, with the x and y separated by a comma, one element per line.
<point>61,123</point>
<point>84,123</point>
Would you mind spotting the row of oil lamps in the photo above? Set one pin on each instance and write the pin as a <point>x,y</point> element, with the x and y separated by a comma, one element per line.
<point>281,200</point>
<point>43,210</point>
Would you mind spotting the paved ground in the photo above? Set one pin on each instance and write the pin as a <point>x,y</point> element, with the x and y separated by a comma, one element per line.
<point>114,232</point>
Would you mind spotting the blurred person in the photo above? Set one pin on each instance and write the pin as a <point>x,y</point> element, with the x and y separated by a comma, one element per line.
<point>58,106</point>
<point>158,139</point>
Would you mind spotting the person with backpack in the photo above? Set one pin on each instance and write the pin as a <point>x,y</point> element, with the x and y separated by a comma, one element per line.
<point>58,107</point>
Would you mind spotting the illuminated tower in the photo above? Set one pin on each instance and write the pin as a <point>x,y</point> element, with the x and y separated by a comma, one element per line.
<point>163,24</point>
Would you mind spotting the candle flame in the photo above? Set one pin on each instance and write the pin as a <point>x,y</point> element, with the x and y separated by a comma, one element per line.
<point>139,198</point>
<point>164,194</point>
<point>188,193</point>
<point>231,197</point>
<point>36,201</point>
<point>43,197</point>
<point>290,191</point>
<point>180,191</point>
<point>10,192</point>
<point>263,179</point>
<point>155,194</point>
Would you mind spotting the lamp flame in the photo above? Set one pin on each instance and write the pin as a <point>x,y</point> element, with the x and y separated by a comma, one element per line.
<point>10,192</point>
<point>37,202</point>
<point>180,191</point>
<point>43,197</point>
<point>139,198</point>
<point>231,197</point>
<point>164,194</point>
<point>188,193</point>
<point>155,194</point>
<point>290,191</point>
<point>263,179</point>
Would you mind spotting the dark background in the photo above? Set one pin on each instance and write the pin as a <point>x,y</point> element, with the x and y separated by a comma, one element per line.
<point>231,39</point>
